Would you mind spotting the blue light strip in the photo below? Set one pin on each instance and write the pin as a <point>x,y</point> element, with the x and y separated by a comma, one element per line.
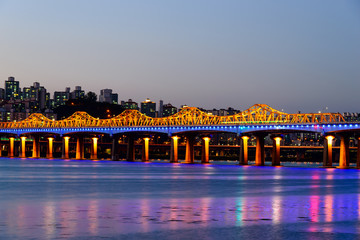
<point>110,130</point>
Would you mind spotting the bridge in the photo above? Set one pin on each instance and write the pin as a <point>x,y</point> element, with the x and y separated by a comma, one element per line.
<point>258,121</point>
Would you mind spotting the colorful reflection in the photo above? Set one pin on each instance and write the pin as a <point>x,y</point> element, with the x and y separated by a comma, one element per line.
<point>98,217</point>
<point>69,200</point>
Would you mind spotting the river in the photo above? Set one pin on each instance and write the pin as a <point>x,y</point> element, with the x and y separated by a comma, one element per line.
<point>73,199</point>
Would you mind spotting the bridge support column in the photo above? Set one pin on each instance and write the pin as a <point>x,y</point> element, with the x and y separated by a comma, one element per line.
<point>205,150</point>
<point>130,154</point>
<point>145,150</point>
<point>11,147</point>
<point>276,150</point>
<point>114,149</point>
<point>80,147</point>
<point>358,154</point>
<point>260,150</point>
<point>189,152</point>
<point>243,158</point>
<point>16,148</point>
<point>344,152</point>
<point>174,149</point>
<point>36,147</point>
<point>50,148</point>
<point>65,147</point>
<point>94,148</point>
<point>22,147</point>
<point>328,153</point>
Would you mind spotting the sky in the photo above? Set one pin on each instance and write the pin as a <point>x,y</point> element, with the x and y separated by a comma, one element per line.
<point>292,55</point>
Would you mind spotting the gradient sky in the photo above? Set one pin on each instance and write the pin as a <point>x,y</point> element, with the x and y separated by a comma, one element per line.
<point>292,55</point>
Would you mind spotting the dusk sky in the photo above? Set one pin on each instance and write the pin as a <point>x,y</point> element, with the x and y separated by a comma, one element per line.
<point>292,55</point>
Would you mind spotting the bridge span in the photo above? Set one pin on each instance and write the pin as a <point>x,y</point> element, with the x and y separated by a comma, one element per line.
<point>190,123</point>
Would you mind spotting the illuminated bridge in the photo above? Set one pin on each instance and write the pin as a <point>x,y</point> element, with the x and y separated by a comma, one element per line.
<point>259,121</point>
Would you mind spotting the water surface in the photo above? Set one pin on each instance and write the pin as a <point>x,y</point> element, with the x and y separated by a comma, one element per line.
<point>58,199</point>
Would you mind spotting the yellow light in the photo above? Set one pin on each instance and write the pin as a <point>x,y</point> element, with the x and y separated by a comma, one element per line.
<point>145,156</point>
<point>11,153</point>
<point>50,153</point>
<point>23,139</point>
<point>277,140</point>
<point>66,147</point>
<point>175,137</point>
<point>329,138</point>
<point>245,137</point>
<point>206,139</point>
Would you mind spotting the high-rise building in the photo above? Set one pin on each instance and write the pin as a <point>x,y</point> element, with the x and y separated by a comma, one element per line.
<point>60,98</point>
<point>148,108</point>
<point>130,104</point>
<point>20,104</point>
<point>232,111</point>
<point>114,98</point>
<point>106,95</point>
<point>26,93</point>
<point>77,93</point>
<point>36,85</point>
<point>48,100</point>
<point>2,93</point>
<point>41,98</point>
<point>37,94</point>
<point>12,90</point>
<point>169,110</point>
<point>161,107</point>
<point>31,99</point>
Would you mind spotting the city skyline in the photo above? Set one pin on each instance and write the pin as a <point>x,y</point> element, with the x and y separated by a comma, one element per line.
<point>298,56</point>
<point>106,95</point>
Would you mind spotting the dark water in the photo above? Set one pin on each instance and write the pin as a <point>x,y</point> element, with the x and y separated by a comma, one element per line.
<point>57,199</point>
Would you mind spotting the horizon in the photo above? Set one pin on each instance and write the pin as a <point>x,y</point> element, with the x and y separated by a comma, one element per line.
<point>324,110</point>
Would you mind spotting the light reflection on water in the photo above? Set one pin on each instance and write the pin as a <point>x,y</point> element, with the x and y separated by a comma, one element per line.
<point>104,216</point>
<point>57,199</point>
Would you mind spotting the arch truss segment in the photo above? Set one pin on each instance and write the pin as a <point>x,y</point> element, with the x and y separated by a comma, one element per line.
<point>187,116</point>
